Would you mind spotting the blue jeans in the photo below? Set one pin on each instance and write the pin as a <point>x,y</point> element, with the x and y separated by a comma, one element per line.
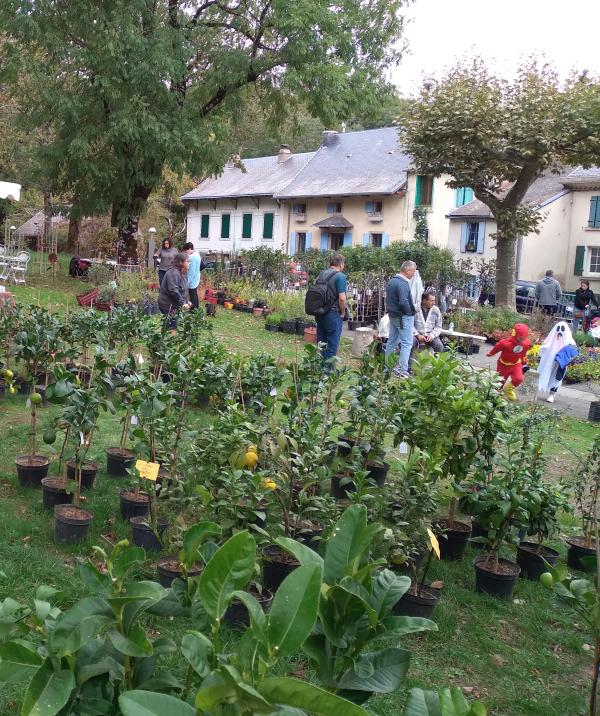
<point>401,332</point>
<point>329,330</point>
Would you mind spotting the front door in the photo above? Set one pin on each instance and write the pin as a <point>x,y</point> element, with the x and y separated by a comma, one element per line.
<point>336,241</point>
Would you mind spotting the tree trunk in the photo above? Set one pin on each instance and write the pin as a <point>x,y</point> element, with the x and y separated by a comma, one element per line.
<point>506,272</point>
<point>126,218</point>
<point>73,235</point>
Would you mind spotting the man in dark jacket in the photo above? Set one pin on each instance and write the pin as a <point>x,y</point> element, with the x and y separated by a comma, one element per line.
<point>401,310</point>
<point>548,293</point>
<point>329,325</point>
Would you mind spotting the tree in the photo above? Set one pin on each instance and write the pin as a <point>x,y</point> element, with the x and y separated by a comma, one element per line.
<point>498,137</point>
<point>131,86</point>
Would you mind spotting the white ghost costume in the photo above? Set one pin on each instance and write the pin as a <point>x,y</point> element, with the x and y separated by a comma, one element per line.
<point>559,337</point>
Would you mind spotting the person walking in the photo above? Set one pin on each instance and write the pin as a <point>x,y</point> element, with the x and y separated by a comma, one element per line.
<point>401,310</point>
<point>165,256</point>
<point>173,294</point>
<point>193,274</point>
<point>329,323</point>
<point>548,293</point>
<point>584,298</point>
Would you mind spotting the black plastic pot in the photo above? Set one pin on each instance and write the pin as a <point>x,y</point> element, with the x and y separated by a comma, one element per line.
<point>288,326</point>
<point>453,541</point>
<point>338,490</point>
<point>377,471</point>
<point>54,493</point>
<point>277,564</point>
<point>236,615</point>
<point>478,531</point>
<point>532,564</point>
<point>422,605</point>
<point>353,325</point>
<point>71,524</point>
<point>577,551</point>
<point>594,414</point>
<point>273,327</point>
<point>301,325</point>
<point>311,537</point>
<point>144,536</point>
<point>168,569</point>
<point>89,471</point>
<point>498,585</point>
<point>133,508</point>
<point>32,469</point>
<point>345,445</point>
<point>118,461</point>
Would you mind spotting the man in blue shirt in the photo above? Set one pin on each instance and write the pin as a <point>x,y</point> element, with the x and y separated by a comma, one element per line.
<point>401,310</point>
<point>329,325</point>
<point>193,274</point>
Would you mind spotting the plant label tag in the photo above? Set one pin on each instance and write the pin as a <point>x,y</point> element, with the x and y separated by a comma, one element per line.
<point>273,392</point>
<point>403,448</point>
<point>81,438</point>
<point>134,420</point>
<point>147,470</point>
<point>140,359</point>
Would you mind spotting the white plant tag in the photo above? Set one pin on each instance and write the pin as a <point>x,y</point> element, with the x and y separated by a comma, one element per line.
<point>134,420</point>
<point>403,448</point>
<point>140,359</point>
<point>273,392</point>
<point>81,438</point>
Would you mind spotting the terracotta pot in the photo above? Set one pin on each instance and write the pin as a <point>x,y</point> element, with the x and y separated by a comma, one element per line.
<point>310,335</point>
<point>228,305</point>
<point>257,312</point>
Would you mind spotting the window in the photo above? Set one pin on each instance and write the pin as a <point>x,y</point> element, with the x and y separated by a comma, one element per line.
<point>472,237</point>
<point>376,240</point>
<point>225,225</point>
<point>464,195</point>
<point>594,220</point>
<point>298,208</point>
<point>595,260</point>
<point>334,207</point>
<point>204,223</point>
<point>337,241</point>
<point>301,241</point>
<point>424,190</point>
<point>374,207</point>
<point>246,226</point>
<point>268,225</point>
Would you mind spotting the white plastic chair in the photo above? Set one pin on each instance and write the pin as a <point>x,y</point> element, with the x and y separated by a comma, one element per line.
<point>18,267</point>
<point>4,264</point>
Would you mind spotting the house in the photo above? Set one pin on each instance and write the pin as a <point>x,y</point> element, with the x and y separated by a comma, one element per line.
<point>569,238</point>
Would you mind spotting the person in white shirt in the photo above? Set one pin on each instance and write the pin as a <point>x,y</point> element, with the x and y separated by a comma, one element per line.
<point>428,324</point>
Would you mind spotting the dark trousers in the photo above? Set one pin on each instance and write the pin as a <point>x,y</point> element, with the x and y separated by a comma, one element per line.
<point>193,292</point>
<point>329,331</point>
<point>548,310</point>
<point>161,275</point>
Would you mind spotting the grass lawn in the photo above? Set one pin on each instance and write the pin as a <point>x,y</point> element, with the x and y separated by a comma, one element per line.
<point>521,657</point>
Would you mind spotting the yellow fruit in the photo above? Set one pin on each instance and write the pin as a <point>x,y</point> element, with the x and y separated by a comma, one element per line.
<point>251,459</point>
<point>36,399</point>
<point>547,580</point>
<point>8,374</point>
<point>252,448</point>
<point>11,390</point>
<point>269,485</point>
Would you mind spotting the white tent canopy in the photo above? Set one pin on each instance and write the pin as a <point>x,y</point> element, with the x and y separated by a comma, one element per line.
<point>8,190</point>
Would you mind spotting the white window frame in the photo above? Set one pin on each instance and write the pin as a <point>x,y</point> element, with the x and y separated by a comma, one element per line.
<point>588,262</point>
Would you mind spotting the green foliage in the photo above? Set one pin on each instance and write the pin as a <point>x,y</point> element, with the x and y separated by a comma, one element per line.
<point>587,490</point>
<point>449,702</point>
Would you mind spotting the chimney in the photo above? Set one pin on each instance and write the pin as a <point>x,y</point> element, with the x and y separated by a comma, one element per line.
<point>284,153</point>
<point>330,137</point>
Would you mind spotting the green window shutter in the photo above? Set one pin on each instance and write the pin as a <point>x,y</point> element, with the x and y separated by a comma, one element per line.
<point>579,258</point>
<point>247,226</point>
<point>418,191</point>
<point>594,220</point>
<point>204,226</point>
<point>225,225</point>
<point>268,226</point>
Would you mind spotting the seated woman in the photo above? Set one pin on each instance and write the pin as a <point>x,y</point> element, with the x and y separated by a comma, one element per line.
<point>428,325</point>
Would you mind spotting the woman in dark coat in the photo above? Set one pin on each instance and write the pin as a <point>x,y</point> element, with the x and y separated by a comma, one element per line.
<point>173,294</point>
<point>584,298</point>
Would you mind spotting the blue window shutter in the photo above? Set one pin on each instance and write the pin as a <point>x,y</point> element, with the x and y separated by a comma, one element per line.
<point>369,207</point>
<point>330,208</point>
<point>292,243</point>
<point>468,196</point>
<point>366,239</point>
<point>308,240</point>
<point>347,238</point>
<point>464,235</point>
<point>324,241</point>
<point>418,190</point>
<point>460,196</point>
<point>385,240</point>
<point>481,237</point>
<point>594,220</point>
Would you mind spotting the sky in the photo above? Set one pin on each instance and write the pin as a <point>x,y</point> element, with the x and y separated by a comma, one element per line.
<point>441,32</point>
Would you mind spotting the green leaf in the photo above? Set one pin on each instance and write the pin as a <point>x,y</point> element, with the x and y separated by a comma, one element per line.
<point>194,538</point>
<point>148,703</point>
<point>210,696</point>
<point>294,610</point>
<point>78,624</point>
<point>386,670</point>
<point>48,691</point>
<point>230,569</point>
<point>126,560</point>
<point>349,540</point>
<point>196,648</point>
<point>422,703</point>
<point>136,644</point>
<point>304,554</point>
<point>388,589</point>
<point>257,616</point>
<point>300,694</point>
<point>449,702</point>
<point>398,626</point>
<point>17,661</point>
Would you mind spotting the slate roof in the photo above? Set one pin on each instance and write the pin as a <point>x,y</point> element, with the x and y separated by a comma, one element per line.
<point>541,192</point>
<point>353,163</point>
<point>581,177</point>
<point>35,225</point>
<point>337,221</point>
<point>264,176</point>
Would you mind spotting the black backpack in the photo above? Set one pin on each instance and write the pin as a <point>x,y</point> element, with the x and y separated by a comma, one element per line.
<point>321,296</point>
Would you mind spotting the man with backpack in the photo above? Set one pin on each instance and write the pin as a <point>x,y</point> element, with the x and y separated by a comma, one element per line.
<point>326,301</point>
<point>401,310</point>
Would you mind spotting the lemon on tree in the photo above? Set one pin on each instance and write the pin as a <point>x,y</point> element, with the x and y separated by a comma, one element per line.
<point>269,484</point>
<point>251,459</point>
<point>36,399</point>
<point>8,374</point>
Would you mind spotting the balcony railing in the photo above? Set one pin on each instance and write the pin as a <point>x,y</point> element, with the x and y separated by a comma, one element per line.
<point>300,216</point>
<point>376,216</point>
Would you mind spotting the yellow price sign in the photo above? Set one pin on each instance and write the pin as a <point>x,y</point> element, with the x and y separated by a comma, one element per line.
<point>433,542</point>
<point>147,470</point>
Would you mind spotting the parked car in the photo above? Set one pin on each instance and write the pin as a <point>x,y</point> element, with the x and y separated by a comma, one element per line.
<point>525,299</point>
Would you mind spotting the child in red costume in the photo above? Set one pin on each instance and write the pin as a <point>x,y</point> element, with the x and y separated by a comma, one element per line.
<point>513,354</point>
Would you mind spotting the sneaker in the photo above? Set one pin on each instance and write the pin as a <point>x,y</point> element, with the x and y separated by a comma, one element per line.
<point>550,399</point>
